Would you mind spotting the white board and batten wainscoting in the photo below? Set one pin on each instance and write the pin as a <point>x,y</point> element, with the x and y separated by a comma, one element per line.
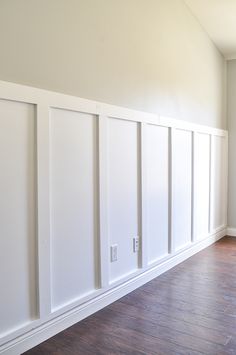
<point>95,201</point>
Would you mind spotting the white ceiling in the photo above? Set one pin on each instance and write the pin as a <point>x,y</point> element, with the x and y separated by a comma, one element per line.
<point>218,18</point>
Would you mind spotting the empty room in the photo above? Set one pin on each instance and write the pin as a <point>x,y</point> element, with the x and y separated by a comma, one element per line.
<point>117,177</point>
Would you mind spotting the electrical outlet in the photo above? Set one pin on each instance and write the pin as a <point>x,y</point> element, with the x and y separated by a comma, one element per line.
<point>135,244</point>
<point>114,255</point>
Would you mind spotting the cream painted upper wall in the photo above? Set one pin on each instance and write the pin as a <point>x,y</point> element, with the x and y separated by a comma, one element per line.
<point>150,55</point>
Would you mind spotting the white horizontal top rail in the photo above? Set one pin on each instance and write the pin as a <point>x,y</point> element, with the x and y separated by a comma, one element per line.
<point>23,93</point>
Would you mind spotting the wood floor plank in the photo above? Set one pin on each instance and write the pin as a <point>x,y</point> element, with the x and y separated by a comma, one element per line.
<point>209,334</point>
<point>189,310</point>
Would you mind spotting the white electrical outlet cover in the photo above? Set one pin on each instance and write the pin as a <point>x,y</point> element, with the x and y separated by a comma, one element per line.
<point>135,244</point>
<point>114,255</point>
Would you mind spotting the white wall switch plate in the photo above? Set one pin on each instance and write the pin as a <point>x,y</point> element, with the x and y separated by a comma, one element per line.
<point>114,255</point>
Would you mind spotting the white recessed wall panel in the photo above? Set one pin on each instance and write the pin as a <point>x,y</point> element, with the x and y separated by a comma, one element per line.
<point>123,194</point>
<point>157,173</point>
<point>181,188</point>
<point>18,277</point>
<point>73,184</point>
<point>201,184</point>
<point>219,182</point>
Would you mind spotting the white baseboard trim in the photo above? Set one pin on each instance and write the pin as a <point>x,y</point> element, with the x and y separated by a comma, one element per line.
<point>231,232</point>
<point>52,327</point>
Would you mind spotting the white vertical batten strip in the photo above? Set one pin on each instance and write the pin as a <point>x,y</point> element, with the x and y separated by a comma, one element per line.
<point>211,182</point>
<point>43,218</point>
<point>193,193</point>
<point>226,156</point>
<point>170,195</point>
<point>143,197</point>
<point>103,203</point>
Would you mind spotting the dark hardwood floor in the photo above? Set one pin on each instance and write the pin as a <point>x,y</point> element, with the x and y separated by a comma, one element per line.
<point>190,309</point>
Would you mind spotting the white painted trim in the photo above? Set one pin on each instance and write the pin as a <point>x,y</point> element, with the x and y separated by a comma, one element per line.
<point>181,124</point>
<point>226,192</point>
<point>211,178</point>
<point>52,321</point>
<point>231,232</point>
<point>193,200</point>
<point>170,182</point>
<point>210,188</point>
<point>103,227</point>
<point>170,197</point>
<point>28,94</point>
<point>43,207</point>
<point>50,328</point>
<point>143,202</point>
